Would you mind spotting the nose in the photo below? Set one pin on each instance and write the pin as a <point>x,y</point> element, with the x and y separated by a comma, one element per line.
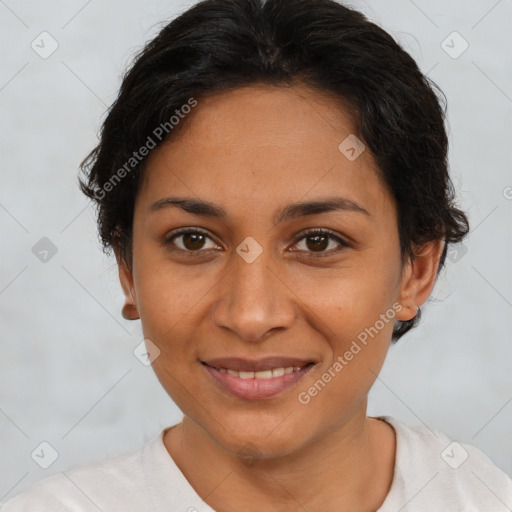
<point>253,300</point>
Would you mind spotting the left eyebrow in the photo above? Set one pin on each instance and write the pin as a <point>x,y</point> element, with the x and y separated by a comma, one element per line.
<point>323,205</point>
<point>291,211</point>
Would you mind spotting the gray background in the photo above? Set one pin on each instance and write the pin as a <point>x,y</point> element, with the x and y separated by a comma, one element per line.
<point>67,373</point>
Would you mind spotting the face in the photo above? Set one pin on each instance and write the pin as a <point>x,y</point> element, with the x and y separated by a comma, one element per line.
<point>245,286</point>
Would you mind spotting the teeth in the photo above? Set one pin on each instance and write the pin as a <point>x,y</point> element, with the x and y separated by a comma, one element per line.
<point>265,374</point>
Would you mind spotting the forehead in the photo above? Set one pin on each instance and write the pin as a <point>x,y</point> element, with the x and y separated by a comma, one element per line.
<point>262,145</point>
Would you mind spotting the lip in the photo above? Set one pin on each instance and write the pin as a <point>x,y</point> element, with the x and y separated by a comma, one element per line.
<point>256,389</point>
<point>256,365</point>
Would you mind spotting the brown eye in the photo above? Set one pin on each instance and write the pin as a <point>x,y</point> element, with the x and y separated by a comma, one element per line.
<point>189,240</point>
<point>193,241</point>
<point>318,240</point>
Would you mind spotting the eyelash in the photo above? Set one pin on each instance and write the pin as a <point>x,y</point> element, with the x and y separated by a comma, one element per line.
<point>310,232</point>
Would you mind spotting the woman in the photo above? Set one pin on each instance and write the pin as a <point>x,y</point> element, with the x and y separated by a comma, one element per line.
<point>273,182</point>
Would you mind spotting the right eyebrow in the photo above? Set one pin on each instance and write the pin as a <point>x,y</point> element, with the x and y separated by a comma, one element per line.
<point>189,205</point>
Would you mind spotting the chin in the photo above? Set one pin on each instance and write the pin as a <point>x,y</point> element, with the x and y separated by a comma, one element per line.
<point>256,437</point>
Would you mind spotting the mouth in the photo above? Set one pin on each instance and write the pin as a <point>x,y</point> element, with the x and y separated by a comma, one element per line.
<point>260,374</point>
<point>260,379</point>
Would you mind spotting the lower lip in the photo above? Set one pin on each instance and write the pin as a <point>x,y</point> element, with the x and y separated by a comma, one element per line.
<point>257,389</point>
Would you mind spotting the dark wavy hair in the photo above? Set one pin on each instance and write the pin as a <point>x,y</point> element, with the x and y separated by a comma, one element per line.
<point>220,45</point>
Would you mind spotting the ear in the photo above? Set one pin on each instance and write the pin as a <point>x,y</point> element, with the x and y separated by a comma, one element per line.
<point>418,279</point>
<point>129,311</point>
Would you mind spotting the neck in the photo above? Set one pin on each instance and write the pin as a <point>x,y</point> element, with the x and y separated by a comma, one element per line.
<point>330,472</point>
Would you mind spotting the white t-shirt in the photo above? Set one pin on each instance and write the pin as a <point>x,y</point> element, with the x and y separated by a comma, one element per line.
<point>431,474</point>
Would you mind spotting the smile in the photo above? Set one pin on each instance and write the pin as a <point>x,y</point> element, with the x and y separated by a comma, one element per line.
<point>265,374</point>
<point>256,380</point>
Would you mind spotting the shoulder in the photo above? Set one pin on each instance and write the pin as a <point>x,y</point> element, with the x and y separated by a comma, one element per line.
<point>432,469</point>
<point>101,484</point>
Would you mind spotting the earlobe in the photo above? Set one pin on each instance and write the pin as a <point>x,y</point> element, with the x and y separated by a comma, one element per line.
<point>129,310</point>
<point>419,278</point>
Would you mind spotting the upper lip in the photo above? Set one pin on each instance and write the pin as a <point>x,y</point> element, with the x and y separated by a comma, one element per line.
<point>254,365</point>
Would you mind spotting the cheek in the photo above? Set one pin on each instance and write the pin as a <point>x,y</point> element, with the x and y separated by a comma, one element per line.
<point>348,300</point>
<point>167,293</point>
<point>358,352</point>
<point>353,309</point>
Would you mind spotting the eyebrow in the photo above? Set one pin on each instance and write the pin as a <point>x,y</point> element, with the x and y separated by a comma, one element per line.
<point>289,212</point>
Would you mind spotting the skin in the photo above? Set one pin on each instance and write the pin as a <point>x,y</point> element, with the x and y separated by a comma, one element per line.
<point>252,151</point>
